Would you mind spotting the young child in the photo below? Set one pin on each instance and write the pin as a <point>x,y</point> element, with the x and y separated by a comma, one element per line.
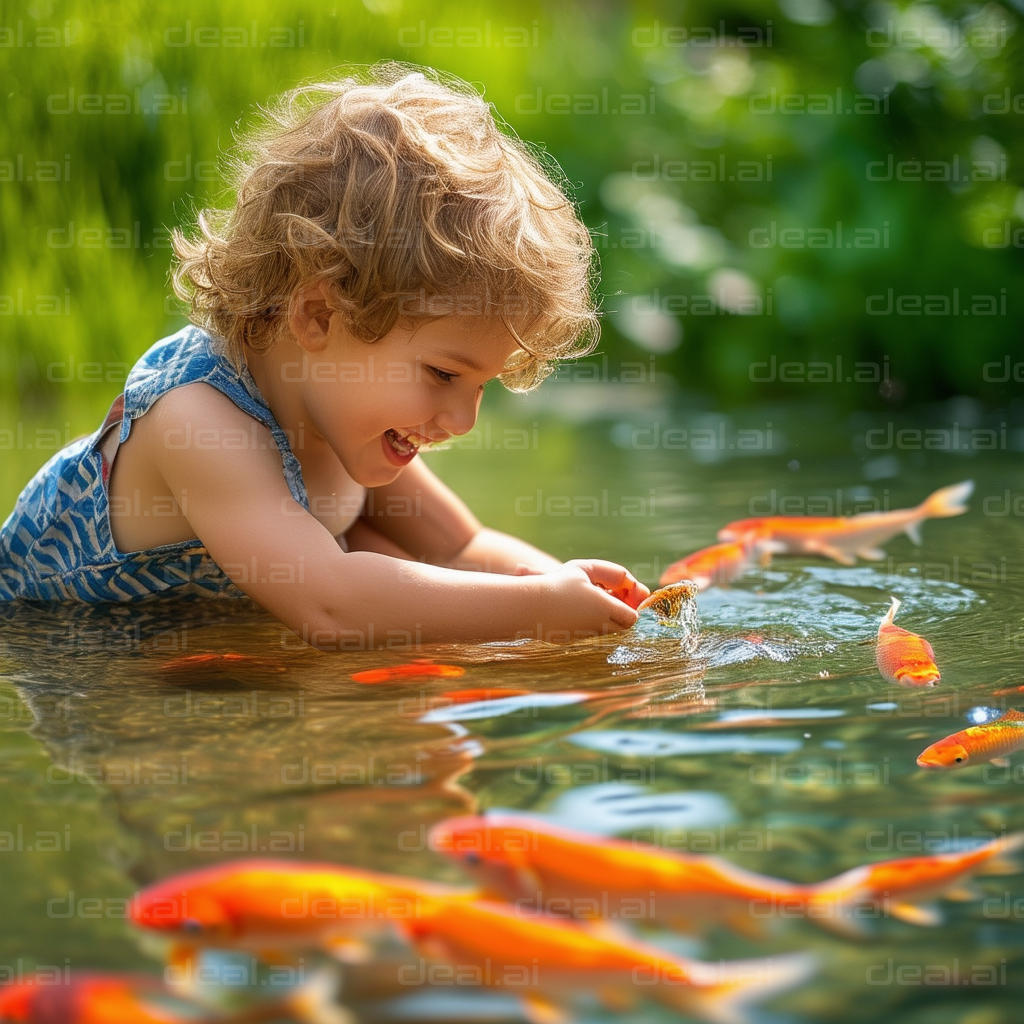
<point>390,250</point>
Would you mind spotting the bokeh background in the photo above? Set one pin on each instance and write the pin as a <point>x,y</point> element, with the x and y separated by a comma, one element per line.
<point>752,174</point>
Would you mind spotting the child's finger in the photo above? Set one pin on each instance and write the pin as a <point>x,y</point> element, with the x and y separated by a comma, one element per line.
<point>618,581</point>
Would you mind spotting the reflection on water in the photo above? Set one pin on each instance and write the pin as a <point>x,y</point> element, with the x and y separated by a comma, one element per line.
<point>770,721</point>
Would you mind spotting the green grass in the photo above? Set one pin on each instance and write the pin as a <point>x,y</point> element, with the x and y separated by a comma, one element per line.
<point>84,264</point>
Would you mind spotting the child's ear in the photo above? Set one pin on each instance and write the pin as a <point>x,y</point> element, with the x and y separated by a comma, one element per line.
<point>309,317</point>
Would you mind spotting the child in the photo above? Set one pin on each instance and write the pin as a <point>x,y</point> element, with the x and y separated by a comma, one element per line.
<point>389,251</point>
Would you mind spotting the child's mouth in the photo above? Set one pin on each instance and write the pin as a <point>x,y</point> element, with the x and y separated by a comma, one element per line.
<point>399,450</point>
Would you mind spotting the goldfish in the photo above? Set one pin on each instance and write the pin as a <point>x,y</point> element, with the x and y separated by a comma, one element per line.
<point>900,886</point>
<point>472,696</point>
<point>992,741</point>
<point>904,657</point>
<point>669,602</point>
<point>547,961</point>
<point>95,998</point>
<point>517,857</point>
<point>719,564</point>
<point>1008,691</point>
<point>264,904</point>
<point>845,538</point>
<point>420,668</point>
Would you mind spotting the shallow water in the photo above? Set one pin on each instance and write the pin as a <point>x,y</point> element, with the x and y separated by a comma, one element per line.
<point>768,738</point>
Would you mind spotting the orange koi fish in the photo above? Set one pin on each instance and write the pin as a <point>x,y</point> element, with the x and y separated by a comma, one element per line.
<point>220,664</point>
<point>547,961</point>
<point>1008,691</point>
<point>86,999</point>
<point>472,696</point>
<point>668,602</point>
<point>904,657</point>
<point>519,858</point>
<point>260,905</point>
<point>900,887</point>
<point>95,998</point>
<point>993,741</point>
<point>845,538</point>
<point>719,564</point>
<point>420,668</point>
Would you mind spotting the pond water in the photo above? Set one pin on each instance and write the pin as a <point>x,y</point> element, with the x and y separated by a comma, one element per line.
<point>769,738</point>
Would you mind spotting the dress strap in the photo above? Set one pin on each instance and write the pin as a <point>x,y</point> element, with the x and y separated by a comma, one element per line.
<point>106,442</point>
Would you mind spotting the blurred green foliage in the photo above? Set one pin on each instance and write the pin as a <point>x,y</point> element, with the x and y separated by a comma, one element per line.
<point>717,149</point>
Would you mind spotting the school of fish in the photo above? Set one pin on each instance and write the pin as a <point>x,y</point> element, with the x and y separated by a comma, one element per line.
<point>550,914</point>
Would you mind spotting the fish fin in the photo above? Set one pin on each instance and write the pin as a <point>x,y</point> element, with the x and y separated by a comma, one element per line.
<point>313,1002</point>
<point>1008,860</point>
<point>764,549</point>
<point>832,904</point>
<point>964,892</point>
<point>819,547</point>
<point>1000,762</point>
<point>871,554</point>
<point>947,501</point>
<point>913,531</point>
<point>837,913</point>
<point>926,915</point>
<point>348,950</point>
<point>538,1010</point>
<point>721,992</point>
<point>1011,715</point>
<point>182,967</point>
<point>890,615</point>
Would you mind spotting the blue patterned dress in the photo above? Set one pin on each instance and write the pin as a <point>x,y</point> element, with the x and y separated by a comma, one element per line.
<point>57,546</point>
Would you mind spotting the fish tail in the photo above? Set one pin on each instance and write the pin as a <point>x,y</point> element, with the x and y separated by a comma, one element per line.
<point>946,501</point>
<point>1008,856</point>
<point>833,904</point>
<point>890,615</point>
<point>762,549</point>
<point>723,992</point>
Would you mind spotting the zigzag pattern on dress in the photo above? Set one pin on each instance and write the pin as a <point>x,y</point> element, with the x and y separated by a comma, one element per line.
<point>57,545</point>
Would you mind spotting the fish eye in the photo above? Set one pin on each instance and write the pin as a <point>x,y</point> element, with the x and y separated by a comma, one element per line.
<point>958,759</point>
<point>191,925</point>
<point>472,859</point>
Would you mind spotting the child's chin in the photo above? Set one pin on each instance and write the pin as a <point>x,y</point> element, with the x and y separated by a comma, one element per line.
<point>376,476</point>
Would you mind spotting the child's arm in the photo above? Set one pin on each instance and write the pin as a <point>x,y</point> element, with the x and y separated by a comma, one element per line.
<point>428,520</point>
<point>281,556</point>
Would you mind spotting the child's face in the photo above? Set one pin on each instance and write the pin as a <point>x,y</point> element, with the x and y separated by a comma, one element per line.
<point>373,403</point>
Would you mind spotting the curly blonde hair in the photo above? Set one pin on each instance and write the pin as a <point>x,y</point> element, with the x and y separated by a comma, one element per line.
<point>395,186</point>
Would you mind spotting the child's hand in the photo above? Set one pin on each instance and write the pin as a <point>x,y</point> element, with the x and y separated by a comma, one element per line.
<point>587,594</point>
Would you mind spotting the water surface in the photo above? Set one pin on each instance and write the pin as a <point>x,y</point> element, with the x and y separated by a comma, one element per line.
<point>769,739</point>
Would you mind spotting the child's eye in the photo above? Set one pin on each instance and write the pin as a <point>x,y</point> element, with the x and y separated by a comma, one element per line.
<point>442,375</point>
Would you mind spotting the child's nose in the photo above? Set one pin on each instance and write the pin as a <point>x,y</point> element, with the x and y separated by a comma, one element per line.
<point>459,416</point>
